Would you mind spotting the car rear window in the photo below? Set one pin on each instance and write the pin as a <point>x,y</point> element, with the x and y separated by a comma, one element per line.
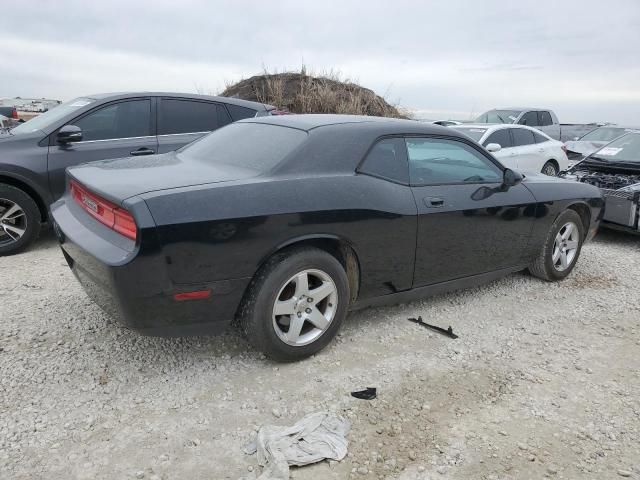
<point>256,146</point>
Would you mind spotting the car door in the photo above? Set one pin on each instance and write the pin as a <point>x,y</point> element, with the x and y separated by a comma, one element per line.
<point>181,121</point>
<point>468,222</point>
<point>117,129</point>
<point>547,125</point>
<point>530,119</point>
<point>507,153</point>
<point>529,156</point>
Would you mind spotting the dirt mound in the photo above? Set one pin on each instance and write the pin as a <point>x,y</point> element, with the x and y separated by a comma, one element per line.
<point>299,92</point>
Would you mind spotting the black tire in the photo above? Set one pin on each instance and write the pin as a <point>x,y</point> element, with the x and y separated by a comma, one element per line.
<point>9,245</point>
<point>544,266</point>
<point>550,168</point>
<point>255,314</point>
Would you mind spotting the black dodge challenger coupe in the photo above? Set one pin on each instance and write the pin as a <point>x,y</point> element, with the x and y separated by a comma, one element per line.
<point>286,223</point>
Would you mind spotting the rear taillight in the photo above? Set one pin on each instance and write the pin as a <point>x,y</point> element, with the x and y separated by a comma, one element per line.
<point>105,212</point>
<point>14,114</point>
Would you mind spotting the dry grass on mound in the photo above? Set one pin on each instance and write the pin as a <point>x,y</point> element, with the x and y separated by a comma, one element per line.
<point>300,92</point>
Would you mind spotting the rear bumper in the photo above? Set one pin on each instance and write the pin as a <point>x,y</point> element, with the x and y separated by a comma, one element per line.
<point>133,286</point>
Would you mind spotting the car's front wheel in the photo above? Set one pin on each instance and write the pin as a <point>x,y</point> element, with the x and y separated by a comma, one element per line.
<point>295,304</point>
<point>561,248</point>
<point>19,220</point>
<point>550,168</point>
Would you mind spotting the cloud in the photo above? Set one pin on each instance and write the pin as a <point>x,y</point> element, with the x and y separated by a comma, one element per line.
<point>454,56</point>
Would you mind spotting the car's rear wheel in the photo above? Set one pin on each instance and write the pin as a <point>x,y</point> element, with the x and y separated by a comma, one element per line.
<point>19,220</point>
<point>550,168</point>
<point>561,248</point>
<point>295,304</point>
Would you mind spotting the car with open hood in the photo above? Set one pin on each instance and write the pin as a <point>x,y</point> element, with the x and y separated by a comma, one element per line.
<point>615,170</point>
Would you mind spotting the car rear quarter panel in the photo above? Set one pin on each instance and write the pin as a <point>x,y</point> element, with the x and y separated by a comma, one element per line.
<point>227,231</point>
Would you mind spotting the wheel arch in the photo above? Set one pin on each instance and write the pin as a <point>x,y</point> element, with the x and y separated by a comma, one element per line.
<point>29,190</point>
<point>584,211</point>
<point>334,245</point>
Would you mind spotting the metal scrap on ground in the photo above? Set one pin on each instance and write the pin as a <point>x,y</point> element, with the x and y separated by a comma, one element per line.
<point>448,332</point>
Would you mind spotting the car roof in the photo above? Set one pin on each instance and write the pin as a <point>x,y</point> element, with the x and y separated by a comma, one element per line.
<point>383,125</point>
<point>229,100</point>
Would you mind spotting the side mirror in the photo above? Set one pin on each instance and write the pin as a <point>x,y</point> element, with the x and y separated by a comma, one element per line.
<point>494,147</point>
<point>511,178</point>
<point>68,134</point>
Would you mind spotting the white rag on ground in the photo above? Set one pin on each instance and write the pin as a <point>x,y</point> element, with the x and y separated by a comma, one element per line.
<point>314,438</point>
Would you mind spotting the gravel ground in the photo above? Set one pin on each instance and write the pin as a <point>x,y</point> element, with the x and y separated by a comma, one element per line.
<point>544,381</point>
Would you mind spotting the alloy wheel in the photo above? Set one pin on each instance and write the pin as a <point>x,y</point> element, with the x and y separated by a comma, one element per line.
<point>13,222</point>
<point>305,307</point>
<point>565,246</point>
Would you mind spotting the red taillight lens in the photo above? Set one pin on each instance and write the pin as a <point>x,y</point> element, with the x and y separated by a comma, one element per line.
<point>14,114</point>
<point>105,212</point>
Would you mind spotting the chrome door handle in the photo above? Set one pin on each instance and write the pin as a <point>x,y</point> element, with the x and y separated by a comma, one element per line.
<point>433,202</point>
<point>142,151</point>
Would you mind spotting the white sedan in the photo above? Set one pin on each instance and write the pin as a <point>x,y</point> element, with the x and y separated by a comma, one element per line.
<point>520,147</point>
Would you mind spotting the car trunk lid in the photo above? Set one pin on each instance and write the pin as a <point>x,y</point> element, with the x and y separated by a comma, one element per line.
<point>119,179</point>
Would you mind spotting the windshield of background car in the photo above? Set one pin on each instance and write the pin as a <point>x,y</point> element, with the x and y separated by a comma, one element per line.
<point>624,149</point>
<point>475,133</point>
<point>255,146</point>
<point>56,113</point>
<point>499,116</point>
<point>602,134</point>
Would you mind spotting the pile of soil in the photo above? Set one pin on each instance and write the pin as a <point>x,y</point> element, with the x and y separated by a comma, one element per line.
<point>302,93</point>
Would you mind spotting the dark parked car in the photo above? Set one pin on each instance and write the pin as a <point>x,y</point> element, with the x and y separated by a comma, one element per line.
<point>615,169</point>
<point>285,223</point>
<point>35,154</point>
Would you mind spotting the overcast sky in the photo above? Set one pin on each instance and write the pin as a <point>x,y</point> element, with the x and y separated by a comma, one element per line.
<point>443,58</point>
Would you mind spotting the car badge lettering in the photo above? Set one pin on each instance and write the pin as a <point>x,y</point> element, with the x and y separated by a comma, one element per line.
<point>90,203</point>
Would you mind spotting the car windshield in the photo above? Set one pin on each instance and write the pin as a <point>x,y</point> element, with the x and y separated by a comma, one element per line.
<point>475,133</point>
<point>625,149</point>
<point>499,116</point>
<point>255,146</point>
<point>602,134</point>
<point>43,121</point>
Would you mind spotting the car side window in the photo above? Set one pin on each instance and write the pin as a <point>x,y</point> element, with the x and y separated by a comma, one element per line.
<point>238,113</point>
<point>544,119</point>
<point>434,161</point>
<point>387,159</point>
<point>501,137</point>
<point>119,120</point>
<point>522,136</point>
<point>539,137</point>
<point>187,116</point>
<point>530,119</point>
